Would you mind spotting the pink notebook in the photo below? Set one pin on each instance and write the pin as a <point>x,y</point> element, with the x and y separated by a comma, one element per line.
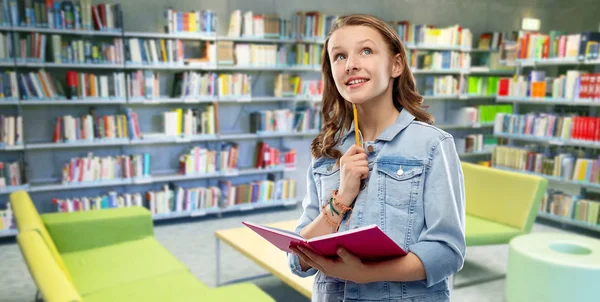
<point>368,242</point>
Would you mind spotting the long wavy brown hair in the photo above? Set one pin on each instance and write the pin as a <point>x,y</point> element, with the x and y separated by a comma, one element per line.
<point>337,113</point>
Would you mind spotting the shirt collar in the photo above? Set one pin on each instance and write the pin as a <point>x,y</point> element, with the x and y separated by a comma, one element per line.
<point>403,120</point>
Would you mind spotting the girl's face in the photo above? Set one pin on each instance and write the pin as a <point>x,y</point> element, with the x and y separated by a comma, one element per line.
<point>362,67</point>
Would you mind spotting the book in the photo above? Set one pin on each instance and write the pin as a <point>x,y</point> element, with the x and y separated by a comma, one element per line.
<point>369,242</point>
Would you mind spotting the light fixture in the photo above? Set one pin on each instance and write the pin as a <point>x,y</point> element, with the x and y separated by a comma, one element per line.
<point>530,24</point>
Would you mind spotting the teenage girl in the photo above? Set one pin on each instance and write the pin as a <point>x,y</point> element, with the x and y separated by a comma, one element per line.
<point>405,174</point>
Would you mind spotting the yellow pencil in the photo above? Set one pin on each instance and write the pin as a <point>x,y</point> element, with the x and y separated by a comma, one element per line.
<point>356,124</point>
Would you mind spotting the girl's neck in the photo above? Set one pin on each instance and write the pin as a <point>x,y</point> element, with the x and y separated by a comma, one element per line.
<point>376,115</point>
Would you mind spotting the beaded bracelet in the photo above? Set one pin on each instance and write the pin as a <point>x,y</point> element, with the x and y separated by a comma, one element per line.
<point>334,224</point>
<point>338,204</point>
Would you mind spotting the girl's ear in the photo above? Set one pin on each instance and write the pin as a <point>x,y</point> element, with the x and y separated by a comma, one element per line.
<point>397,66</point>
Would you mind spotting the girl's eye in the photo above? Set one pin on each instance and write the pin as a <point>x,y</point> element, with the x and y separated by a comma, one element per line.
<point>367,51</point>
<point>340,57</point>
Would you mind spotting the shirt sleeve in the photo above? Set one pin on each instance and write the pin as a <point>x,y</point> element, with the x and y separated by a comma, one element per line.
<point>311,210</point>
<point>441,246</point>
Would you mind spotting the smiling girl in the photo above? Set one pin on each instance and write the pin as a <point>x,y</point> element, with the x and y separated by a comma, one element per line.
<point>405,177</point>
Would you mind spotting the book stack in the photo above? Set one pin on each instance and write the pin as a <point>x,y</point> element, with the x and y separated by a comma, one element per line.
<point>234,85</point>
<point>473,143</point>
<point>38,85</point>
<point>257,191</point>
<point>574,127</point>
<point>439,60</point>
<point>188,122</point>
<point>7,52</point>
<point>284,120</point>
<point>256,25</point>
<point>558,45</point>
<point>31,47</point>
<point>270,157</point>
<point>64,15</point>
<point>311,25</point>
<point>493,40</point>
<point>11,130</point>
<point>203,161</point>
<point>438,85</point>
<point>191,22</point>
<point>482,86</point>
<point>580,208</point>
<point>477,115</point>
<point>305,55</point>
<point>198,161</point>
<point>83,51</point>
<point>7,219</point>
<point>256,55</point>
<point>422,34</point>
<point>9,89</point>
<point>94,168</point>
<point>111,200</point>
<point>82,85</point>
<point>572,166</point>
<point>193,84</point>
<point>286,86</point>
<point>179,199</point>
<point>154,51</point>
<point>91,126</point>
<point>573,85</point>
<point>11,174</point>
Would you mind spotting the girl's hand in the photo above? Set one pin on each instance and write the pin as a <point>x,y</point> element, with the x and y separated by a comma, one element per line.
<point>346,267</point>
<point>354,167</point>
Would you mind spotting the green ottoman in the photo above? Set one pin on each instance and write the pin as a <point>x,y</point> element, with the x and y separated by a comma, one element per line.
<point>553,267</point>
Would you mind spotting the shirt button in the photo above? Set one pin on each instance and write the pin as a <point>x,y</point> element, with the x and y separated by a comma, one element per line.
<point>400,171</point>
<point>329,167</point>
<point>370,149</point>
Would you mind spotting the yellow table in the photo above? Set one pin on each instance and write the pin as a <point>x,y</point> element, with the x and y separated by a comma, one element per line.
<point>264,254</point>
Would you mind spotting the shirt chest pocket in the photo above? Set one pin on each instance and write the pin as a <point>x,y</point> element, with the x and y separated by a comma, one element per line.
<point>399,180</point>
<point>327,177</point>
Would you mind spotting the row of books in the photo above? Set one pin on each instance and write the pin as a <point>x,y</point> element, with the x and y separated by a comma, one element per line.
<point>482,86</point>
<point>11,174</point>
<point>11,130</point>
<point>575,84</point>
<point>85,51</point>
<point>439,60</point>
<point>179,21</point>
<point>267,156</point>
<point>91,126</point>
<point>493,40</point>
<point>438,85</point>
<point>557,44</point>
<point>7,219</point>
<point>473,143</point>
<point>251,24</point>
<point>62,15</point>
<point>580,208</point>
<point>284,120</point>
<point>187,122</point>
<point>287,85</point>
<point>424,34</point>
<point>476,115</point>
<point>549,125</point>
<point>176,199</point>
<point>147,51</point>
<point>146,84</point>
<point>257,191</point>
<point>96,168</point>
<point>575,165</point>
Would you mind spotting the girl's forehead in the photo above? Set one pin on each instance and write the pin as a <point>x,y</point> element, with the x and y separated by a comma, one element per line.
<point>350,35</point>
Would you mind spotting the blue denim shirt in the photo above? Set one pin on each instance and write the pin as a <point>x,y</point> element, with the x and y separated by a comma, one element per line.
<point>414,193</point>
